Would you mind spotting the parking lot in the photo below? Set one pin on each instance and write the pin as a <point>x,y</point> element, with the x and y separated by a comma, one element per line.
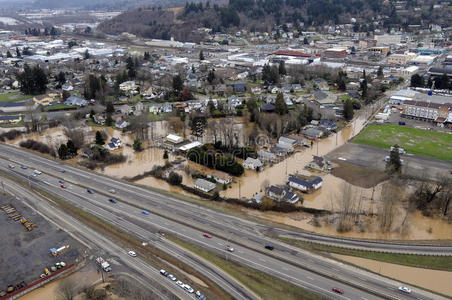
<point>24,253</point>
<point>372,157</point>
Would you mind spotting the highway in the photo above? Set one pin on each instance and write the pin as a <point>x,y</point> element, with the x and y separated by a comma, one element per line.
<point>189,220</point>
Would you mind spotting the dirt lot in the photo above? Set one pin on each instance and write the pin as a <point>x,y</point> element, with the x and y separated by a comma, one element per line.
<point>25,254</point>
<point>373,158</point>
<point>358,175</point>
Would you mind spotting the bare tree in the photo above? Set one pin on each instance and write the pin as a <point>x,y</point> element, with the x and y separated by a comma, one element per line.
<point>74,133</point>
<point>347,207</point>
<point>139,125</point>
<point>66,290</point>
<point>175,124</point>
<point>390,196</point>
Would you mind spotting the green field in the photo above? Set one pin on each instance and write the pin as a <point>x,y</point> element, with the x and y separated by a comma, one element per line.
<point>416,141</point>
<point>60,107</point>
<point>13,97</point>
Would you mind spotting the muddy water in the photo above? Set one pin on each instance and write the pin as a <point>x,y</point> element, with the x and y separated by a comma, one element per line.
<point>438,281</point>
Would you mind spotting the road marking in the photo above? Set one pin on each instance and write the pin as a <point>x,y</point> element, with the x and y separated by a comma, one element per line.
<point>309,277</point>
<point>284,268</point>
<point>261,259</point>
<point>220,244</point>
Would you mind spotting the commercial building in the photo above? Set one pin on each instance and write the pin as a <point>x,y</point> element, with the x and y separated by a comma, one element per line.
<point>335,53</point>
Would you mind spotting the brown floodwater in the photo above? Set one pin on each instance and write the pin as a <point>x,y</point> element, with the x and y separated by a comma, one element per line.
<point>437,281</point>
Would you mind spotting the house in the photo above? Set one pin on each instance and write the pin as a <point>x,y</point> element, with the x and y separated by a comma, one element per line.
<point>321,84</point>
<point>204,185</point>
<point>154,108</point>
<point>288,141</point>
<point>252,163</point>
<point>187,147</point>
<point>220,177</point>
<point>318,163</point>
<point>287,147</point>
<point>324,97</point>
<point>268,108</point>
<point>256,90</point>
<point>266,157</point>
<point>257,198</point>
<point>124,109</point>
<point>75,100</point>
<point>312,133</point>
<point>121,124</point>
<point>139,108</point>
<point>10,119</point>
<point>301,140</point>
<point>305,185</point>
<point>128,87</point>
<point>282,194</point>
<point>115,143</point>
<point>279,151</point>
<point>328,124</point>
<point>297,87</point>
<point>18,106</point>
<point>99,119</point>
<point>239,87</point>
<point>174,139</point>
<point>87,153</point>
<point>233,102</point>
<point>67,87</point>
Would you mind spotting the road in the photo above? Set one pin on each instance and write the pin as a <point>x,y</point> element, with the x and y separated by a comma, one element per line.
<point>189,220</point>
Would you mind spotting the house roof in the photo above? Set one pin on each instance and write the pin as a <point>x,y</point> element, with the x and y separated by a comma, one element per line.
<point>254,161</point>
<point>10,118</point>
<point>300,181</point>
<point>13,104</point>
<point>292,53</point>
<point>204,184</point>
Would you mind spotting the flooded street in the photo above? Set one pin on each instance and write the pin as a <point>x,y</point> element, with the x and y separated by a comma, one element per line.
<point>438,281</point>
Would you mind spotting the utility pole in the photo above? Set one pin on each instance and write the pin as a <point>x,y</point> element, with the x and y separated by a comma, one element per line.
<point>3,186</point>
<point>240,194</point>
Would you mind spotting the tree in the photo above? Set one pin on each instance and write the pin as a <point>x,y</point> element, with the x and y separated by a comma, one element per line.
<point>32,80</point>
<point>305,41</point>
<point>348,110</point>
<point>380,72</point>
<point>174,178</point>
<point>282,68</point>
<point>99,138</point>
<point>87,30</point>
<point>211,76</point>
<point>165,154</point>
<point>87,55</point>
<point>131,67</point>
<point>8,54</point>
<point>146,56</point>
<point>178,84</point>
<point>363,86</point>
<point>63,152</point>
<point>61,78</point>
<point>417,81</point>
<point>280,104</point>
<point>109,107</point>
<point>66,290</point>
<point>18,52</point>
<point>270,75</point>
<point>394,164</point>
<point>198,125</point>
<point>108,120</point>
<point>137,145</point>
<point>201,55</point>
<point>71,148</point>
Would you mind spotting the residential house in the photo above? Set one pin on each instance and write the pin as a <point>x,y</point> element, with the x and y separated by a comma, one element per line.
<point>252,163</point>
<point>121,124</point>
<point>305,185</point>
<point>268,108</point>
<point>287,100</point>
<point>129,87</point>
<point>204,185</point>
<point>67,87</point>
<point>312,133</point>
<point>297,88</point>
<point>75,100</point>
<point>114,144</point>
<point>154,108</point>
<point>256,90</point>
<point>220,177</point>
<point>301,140</point>
<point>324,97</point>
<point>233,102</point>
<point>287,147</point>
<point>9,119</point>
<point>18,106</point>
<point>99,119</point>
<point>124,109</point>
<point>87,153</point>
<point>279,151</point>
<point>321,84</point>
<point>319,164</point>
<point>266,157</point>
<point>289,141</point>
<point>139,108</point>
<point>282,194</point>
<point>328,124</point>
<point>239,87</point>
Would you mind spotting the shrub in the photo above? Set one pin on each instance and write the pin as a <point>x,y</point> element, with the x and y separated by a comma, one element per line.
<point>174,178</point>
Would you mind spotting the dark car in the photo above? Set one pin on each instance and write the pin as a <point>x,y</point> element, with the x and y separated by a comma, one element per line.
<point>61,181</point>
<point>23,167</point>
<point>112,200</point>
<point>337,290</point>
<point>90,191</point>
<point>269,247</point>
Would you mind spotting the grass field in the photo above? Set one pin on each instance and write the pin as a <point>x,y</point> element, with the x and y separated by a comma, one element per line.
<point>60,107</point>
<point>416,141</point>
<point>13,97</point>
<point>266,286</point>
<point>443,263</point>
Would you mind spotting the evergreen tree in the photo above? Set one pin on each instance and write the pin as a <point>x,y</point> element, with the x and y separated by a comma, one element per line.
<point>63,152</point>
<point>417,81</point>
<point>87,55</point>
<point>282,68</point>
<point>71,148</point>
<point>109,107</point>
<point>280,104</point>
<point>99,138</point>
<point>61,78</point>
<point>211,76</point>
<point>8,54</point>
<point>131,67</point>
<point>32,81</point>
<point>178,84</point>
<point>380,72</point>
<point>348,110</point>
<point>137,145</point>
<point>201,55</point>
<point>198,125</point>
<point>394,164</point>
<point>364,86</point>
<point>108,120</point>
<point>18,52</point>
<point>165,154</point>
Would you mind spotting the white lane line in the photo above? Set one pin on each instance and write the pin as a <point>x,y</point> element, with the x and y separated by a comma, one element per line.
<point>309,277</point>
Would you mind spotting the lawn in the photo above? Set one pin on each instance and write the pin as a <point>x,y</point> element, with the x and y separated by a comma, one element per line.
<point>416,141</point>
<point>266,286</point>
<point>60,107</point>
<point>13,97</point>
<point>443,263</point>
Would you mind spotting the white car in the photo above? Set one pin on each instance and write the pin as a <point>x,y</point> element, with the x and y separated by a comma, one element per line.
<point>112,191</point>
<point>37,172</point>
<point>404,289</point>
<point>132,253</point>
<point>172,277</point>
<point>188,288</point>
<point>401,150</point>
<point>180,283</point>
<point>229,248</point>
<point>342,158</point>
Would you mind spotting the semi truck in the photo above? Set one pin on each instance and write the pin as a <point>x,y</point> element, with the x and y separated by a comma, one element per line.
<point>103,264</point>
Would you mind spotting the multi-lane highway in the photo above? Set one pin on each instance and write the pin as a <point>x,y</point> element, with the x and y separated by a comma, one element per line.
<point>189,221</point>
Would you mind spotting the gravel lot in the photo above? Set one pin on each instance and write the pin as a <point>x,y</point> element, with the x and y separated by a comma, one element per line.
<point>367,156</point>
<point>25,254</point>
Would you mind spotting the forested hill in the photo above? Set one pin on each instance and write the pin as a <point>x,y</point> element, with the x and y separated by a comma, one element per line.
<point>264,15</point>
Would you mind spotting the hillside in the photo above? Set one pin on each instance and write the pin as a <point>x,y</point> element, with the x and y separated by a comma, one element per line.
<point>265,15</point>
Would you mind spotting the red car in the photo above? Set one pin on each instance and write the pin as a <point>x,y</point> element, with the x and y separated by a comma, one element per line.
<point>337,290</point>
<point>209,236</point>
<point>63,186</point>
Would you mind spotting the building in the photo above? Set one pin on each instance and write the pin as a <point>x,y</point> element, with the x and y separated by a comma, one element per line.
<point>18,106</point>
<point>319,164</point>
<point>439,113</point>
<point>282,194</point>
<point>189,146</point>
<point>423,60</point>
<point>128,87</point>
<point>400,59</point>
<point>335,53</point>
<point>409,71</point>
<point>204,185</point>
<point>305,185</point>
<point>9,119</point>
<point>266,157</point>
<point>380,50</point>
<point>220,177</point>
<point>75,100</point>
<point>252,163</point>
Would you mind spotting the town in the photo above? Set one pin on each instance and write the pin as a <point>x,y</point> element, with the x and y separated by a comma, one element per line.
<point>296,131</point>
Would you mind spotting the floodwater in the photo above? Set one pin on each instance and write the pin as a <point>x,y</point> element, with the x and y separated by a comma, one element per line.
<point>437,281</point>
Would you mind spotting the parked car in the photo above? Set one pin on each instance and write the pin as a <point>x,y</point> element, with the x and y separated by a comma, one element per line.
<point>188,288</point>
<point>145,212</point>
<point>337,290</point>
<point>164,273</point>
<point>112,200</point>
<point>200,296</point>
<point>405,289</point>
<point>132,253</point>
<point>401,150</point>
<point>90,191</point>
<point>180,283</point>
<point>172,277</point>
<point>207,235</point>
<point>269,247</point>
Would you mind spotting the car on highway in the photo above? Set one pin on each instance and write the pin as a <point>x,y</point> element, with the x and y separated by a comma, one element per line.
<point>11,166</point>
<point>200,296</point>
<point>145,212</point>
<point>37,172</point>
<point>112,200</point>
<point>164,273</point>
<point>229,248</point>
<point>90,191</point>
<point>405,289</point>
<point>337,290</point>
<point>23,167</point>
<point>113,191</point>
<point>172,277</point>
<point>207,235</point>
<point>132,253</point>
<point>61,181</point>
<point>63,171</point>
<point>269,247</point>
<point>63,186</point>
<point>188,288</point>
<point>180,283</point>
